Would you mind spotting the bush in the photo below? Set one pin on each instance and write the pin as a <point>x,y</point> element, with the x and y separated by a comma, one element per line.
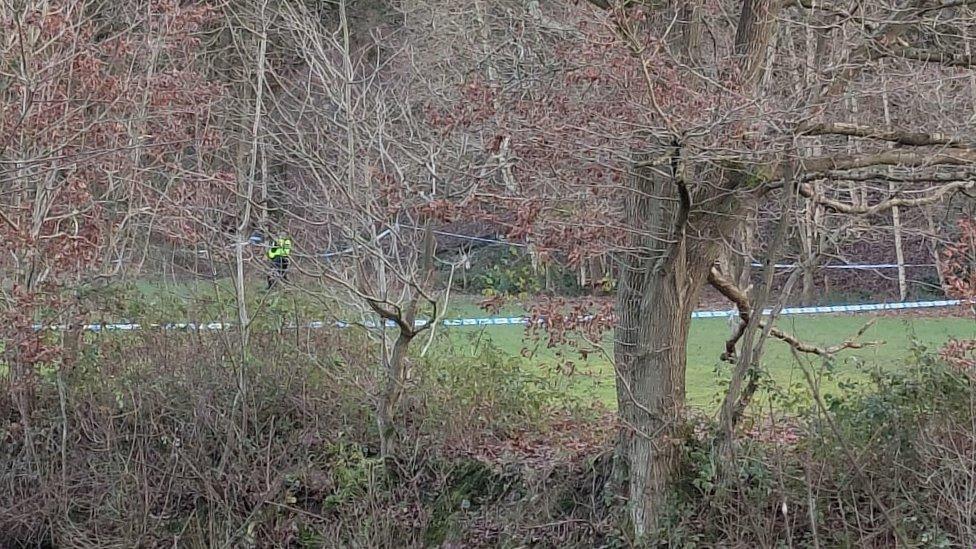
<point>509,271</point>
<point>149,441</point>
<point>887,463</point>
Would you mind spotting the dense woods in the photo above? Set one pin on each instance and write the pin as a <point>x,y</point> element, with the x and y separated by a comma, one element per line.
<point>631,160</point>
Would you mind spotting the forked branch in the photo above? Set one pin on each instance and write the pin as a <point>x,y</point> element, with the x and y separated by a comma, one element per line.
<point>396,316</point>
<point>933,196</point>
<point>735,294</point>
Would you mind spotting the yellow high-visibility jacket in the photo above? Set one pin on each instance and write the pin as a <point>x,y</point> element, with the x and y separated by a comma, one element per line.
<point>280,248</point>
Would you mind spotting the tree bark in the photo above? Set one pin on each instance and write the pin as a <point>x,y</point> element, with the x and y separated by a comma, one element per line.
<point>650,350</point>
<point>673,246</point>
<point>660,283</point>
<point>752,38</point>
<point>396,378</point>
<point>654,305</point>
<point>690,26</point>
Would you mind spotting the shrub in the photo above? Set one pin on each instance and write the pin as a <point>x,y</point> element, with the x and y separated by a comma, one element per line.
<point>887,462</point>
<point>149,440</point>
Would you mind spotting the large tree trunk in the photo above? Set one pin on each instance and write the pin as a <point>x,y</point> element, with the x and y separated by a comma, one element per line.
<point>660,282</point>
<point>650,350</point>
<point>673,245</point>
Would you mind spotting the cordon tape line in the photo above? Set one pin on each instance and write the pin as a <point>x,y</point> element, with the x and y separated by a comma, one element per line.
<point>853,266</point>
<point>513,320</point>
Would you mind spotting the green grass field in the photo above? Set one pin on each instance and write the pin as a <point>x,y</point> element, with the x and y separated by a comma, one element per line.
<point>592,378</point>
<point>707,375</point>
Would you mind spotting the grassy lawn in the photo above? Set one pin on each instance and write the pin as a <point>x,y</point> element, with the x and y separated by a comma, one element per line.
<point>592,377</point>
<point>707,375</point>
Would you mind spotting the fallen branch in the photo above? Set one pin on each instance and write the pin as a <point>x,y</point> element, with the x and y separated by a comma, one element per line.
<point>925,56</point>
<point>925,177</point>
<point>907,158</point>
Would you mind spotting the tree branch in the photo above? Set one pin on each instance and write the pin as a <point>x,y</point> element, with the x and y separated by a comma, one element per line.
<point>906,158</point>
<point>942,58</point>
<point>828,10</point>
<point>8,221</point>
<point>937,177</point>
<point>945,5</point>
<point>395,317</point>
<point>735,294</point>
<point>807,191</point>
<point>914,139</point>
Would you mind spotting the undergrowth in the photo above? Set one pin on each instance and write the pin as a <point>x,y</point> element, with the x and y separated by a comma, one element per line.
<point>159,438</point>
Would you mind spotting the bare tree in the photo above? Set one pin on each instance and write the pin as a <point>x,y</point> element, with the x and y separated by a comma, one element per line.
<point>364,184</point>
<point>690,195</point>
<point>106,146</point>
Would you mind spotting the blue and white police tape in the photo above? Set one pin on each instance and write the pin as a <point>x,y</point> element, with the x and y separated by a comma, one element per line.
<point>513,320</point>
<point>853,266</point>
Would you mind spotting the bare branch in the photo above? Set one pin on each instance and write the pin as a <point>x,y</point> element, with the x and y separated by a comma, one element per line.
<point>946,5</point>
<point>924,177</point>
<point>926,56</point>
<point>949,157</point>
<point>915,139</point>
<point>395,317</point>
<point>8,221</point>
<point>934,196</point>
<point>735,294</point>
<point>826,9</point>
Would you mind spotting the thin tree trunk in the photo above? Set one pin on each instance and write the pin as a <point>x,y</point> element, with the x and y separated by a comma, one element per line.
<point>808,238</point>
<point>396,365</point>
<point>895,213</point>
<point>933,244</point>
<point>247,194</point>
<point>899,251</point>
<point>808,223</point>
<point>748,241</point>
<point>396,378</point>
<point>737,398</point>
